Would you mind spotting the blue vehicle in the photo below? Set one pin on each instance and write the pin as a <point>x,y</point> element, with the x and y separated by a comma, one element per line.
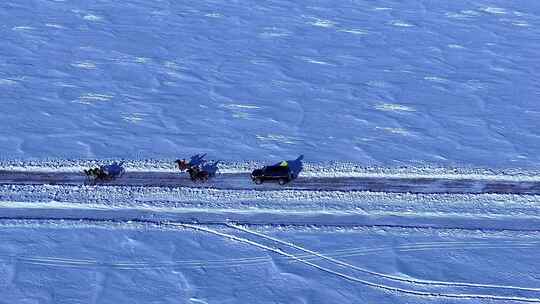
<point>281,173</point>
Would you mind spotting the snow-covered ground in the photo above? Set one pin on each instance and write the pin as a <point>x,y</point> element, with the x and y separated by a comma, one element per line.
<point>78,262</point>
<point>143,244</point>
<point>379,83</point>
<point>383,89</point>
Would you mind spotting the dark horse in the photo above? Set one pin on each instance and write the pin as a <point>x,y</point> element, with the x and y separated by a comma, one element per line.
<point>96,173</point>
<point>195,173</point>
<point>105,173</point>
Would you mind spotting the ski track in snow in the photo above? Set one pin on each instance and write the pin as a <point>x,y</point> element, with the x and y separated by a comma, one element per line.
<point>394,278</point>
<point>351,277</point>
<point>233,262</point>
<point>317,260</point>
<point>416,101</point>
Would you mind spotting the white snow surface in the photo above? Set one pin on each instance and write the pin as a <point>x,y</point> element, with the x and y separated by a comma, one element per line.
<point>384,83</point>
<point>143,244</point>
<point>422,89</point>
<point>199,264</point>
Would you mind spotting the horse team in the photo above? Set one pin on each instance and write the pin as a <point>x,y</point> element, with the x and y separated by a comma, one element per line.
<point>197,168</point>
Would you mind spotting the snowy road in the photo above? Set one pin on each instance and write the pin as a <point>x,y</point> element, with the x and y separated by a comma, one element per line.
<point>434,244</point>
<point>418,120</point>
<point>241,181</point>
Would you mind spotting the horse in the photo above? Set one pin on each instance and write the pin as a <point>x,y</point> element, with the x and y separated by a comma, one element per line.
<point>194,170</point>
<point>96,174</point>
<point>197,175</point>
<point>105,173</point>
<point>182,164</point>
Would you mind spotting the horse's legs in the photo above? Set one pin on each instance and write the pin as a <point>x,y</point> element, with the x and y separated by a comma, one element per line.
<point>203,176</point>
<point>192,175</point>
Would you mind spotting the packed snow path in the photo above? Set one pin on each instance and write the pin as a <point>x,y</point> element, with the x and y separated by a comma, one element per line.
<point>241,181</point>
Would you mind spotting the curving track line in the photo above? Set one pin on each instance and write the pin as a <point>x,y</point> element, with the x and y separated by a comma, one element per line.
<point>353,278</point>
<point>308,257</point>
<point>257,260</point>
<point>373,273</point>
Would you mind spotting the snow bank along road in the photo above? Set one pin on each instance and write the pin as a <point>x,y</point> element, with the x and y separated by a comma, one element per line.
<point>471,202</point>
<point>241,181</point>
<point>232,207</point>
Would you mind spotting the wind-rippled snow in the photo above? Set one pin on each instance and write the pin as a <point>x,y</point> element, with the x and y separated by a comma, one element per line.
<point>361,88</point>
<point>384,83</point>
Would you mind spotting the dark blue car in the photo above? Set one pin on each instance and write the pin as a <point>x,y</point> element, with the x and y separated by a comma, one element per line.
<point>280,173</point>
